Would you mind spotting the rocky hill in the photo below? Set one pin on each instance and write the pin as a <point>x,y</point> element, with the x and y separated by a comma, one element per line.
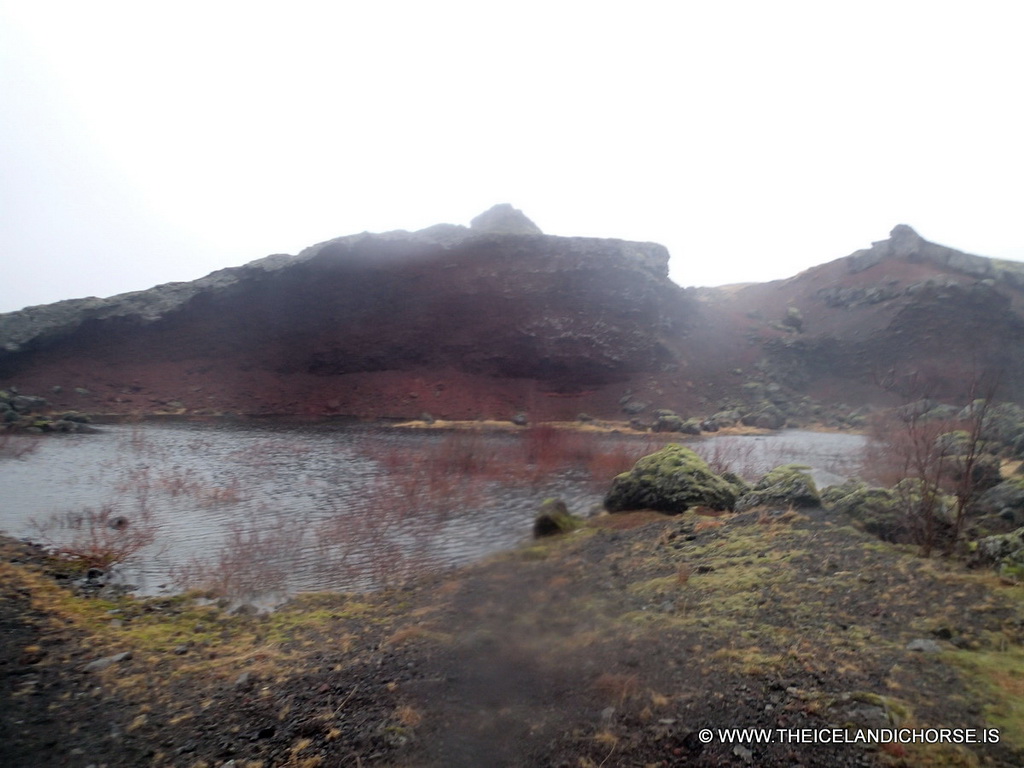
<point>904,309</point>
<point>498,318</point>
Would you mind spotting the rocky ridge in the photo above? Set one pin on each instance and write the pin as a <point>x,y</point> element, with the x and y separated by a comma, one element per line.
<point>498,319</point>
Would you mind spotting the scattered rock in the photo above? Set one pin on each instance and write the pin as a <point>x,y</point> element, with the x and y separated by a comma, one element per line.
<point>634,407</point>
<point>107,661</point>
<point>743,753</point>
<point>554,518</point>
<point>924,645</point>
<point>1008,494</point>
<point>667,421</point>
<point>244,680</point>
<point>788,486</point>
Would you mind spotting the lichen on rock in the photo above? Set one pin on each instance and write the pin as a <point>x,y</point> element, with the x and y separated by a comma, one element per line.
<point>789,485</point>
<point>671,480</point>
<point>1005,552</point>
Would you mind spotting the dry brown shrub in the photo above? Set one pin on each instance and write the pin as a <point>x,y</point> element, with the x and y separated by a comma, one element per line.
<point>97,538</point>
<point>707,524</point>
<point>255,559</point>
<point>683,574</point>
<point>14,446</point>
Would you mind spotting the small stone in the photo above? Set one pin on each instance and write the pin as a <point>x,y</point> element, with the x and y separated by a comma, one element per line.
<point>106,661</point>
<point>181,650</point>
<point>554,518</point>
<point>743,753</point>
<point>924,645</point>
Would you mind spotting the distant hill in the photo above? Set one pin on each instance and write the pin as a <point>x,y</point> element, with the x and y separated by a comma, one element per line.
<point>498,319</point>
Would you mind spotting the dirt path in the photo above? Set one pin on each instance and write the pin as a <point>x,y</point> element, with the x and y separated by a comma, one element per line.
<point>614,646</point>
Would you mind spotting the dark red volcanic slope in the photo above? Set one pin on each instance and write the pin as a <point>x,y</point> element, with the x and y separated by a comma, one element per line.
<point>455,322</point>
<point>902,308</point>
<point>498,319</point>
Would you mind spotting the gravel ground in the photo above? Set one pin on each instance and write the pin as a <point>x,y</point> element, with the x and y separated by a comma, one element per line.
<point>614,646</point>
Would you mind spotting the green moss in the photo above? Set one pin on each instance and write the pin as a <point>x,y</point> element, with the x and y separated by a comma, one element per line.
<point>554,518</point>
<point>998,677</point>
<point>789,486</point>
<point>671,480</point>
<point>898,712</point>
<point>658,587</point>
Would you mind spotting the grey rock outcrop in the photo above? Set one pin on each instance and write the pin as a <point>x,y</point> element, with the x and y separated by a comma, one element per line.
<point>905,244</point>
<point>39,324</point>
<point>503,219</point>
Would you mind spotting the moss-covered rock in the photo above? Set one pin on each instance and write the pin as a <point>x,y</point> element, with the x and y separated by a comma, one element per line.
<point>874,510</point>
<point>671,480</point>
<point>1005,552</point>
<point>691,427</point>
<point>765,415</point>
<point>667,421</point>
<point>553,518</point>
<point>789,485</point>
<point>858,499</point>
<point>1007,495</point>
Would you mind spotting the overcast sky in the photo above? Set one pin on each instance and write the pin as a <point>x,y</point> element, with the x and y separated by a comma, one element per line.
<point>150,142</point>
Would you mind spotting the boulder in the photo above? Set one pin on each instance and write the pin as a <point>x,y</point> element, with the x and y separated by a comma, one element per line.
<point>691,427</point>
<point>671,480</point>
<point>985,473</point>
<point>726,418</point>
<point>1005,552</point>
<point>765,416</point>
<point>634,407</point>
<point>874,510</point>
<point>553,518</point>
<point>793,319</point>
<point>667,421</point>
<point>787,486</point>
<point>28,403</point>
<point>1007,495</point>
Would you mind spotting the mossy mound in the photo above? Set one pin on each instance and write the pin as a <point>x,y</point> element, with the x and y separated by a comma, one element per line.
<point>671,480</point>
<point>875,510</point>
<point>788,486</point>
<point>1005,552</point>
<point>1006,498</point>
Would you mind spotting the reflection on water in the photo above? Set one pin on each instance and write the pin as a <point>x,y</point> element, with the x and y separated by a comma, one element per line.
<point>281,509</point>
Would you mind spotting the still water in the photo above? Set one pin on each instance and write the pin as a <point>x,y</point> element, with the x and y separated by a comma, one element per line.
<point>273,509</point>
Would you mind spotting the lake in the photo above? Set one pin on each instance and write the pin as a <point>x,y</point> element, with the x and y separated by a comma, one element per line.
<point>263,510</point>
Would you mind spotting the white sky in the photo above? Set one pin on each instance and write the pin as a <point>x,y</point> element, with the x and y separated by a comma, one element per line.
<point>145,142</point>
